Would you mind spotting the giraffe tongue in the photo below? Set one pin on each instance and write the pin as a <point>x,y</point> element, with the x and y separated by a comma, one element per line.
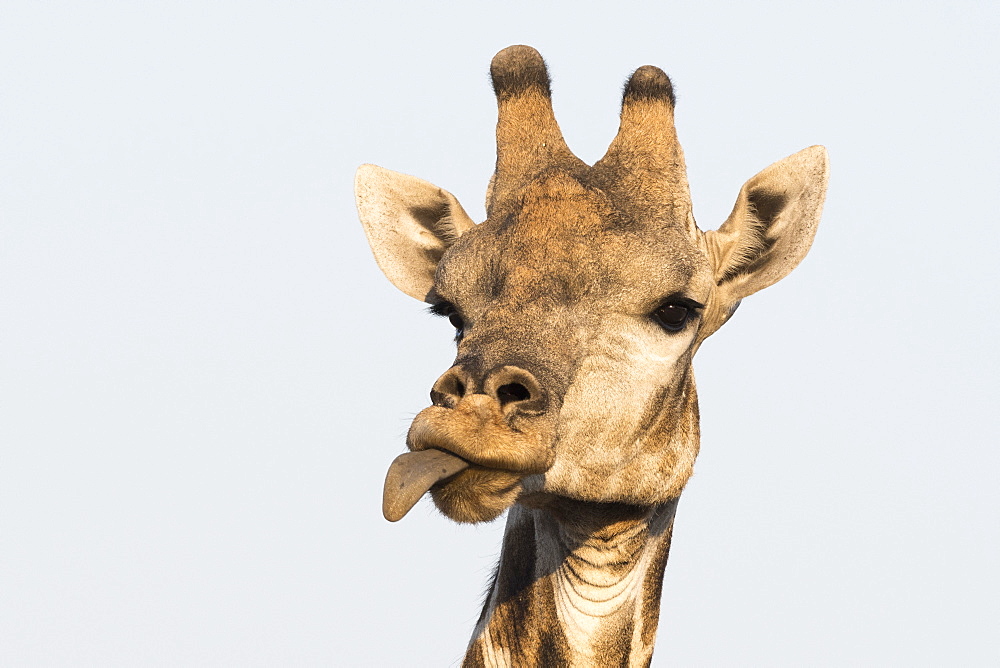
<point>411,474</point>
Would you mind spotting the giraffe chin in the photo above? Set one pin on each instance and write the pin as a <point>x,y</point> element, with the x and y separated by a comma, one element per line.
<point>477,494</point>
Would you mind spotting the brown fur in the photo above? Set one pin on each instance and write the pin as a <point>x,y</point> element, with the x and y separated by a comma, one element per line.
<point>575,406</point>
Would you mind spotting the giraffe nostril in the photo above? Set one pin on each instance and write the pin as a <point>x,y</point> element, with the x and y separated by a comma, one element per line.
<point>449,388</point>
<point>511,392</point>
<point>516,390</point>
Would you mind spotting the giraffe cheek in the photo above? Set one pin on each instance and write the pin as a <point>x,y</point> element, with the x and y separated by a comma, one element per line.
<point>623,434</point>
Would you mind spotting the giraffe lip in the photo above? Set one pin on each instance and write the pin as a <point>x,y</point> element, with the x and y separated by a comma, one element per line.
<point>410,476</point>
<point>477,436</point>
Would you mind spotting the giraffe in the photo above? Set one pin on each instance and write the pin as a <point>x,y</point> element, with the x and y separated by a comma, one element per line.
<point>578,305</point>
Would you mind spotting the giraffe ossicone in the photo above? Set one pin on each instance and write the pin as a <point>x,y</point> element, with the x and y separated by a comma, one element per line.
<point>578,305</point>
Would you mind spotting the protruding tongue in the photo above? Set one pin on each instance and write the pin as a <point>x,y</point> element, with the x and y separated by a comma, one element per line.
<point>410,476</point>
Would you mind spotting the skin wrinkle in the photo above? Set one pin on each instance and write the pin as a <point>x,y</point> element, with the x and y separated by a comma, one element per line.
<point>603,610</point>
<point>559,284</point>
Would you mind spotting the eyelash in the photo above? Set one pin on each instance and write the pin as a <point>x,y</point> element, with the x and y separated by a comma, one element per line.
<point>448,310</point>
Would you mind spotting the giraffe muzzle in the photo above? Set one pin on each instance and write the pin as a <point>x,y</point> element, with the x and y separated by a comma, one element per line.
<point>445,441</point>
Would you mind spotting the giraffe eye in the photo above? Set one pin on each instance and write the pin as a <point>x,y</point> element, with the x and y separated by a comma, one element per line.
<point>674,315</point>
<point>671,316</point>
<point>456,321</point>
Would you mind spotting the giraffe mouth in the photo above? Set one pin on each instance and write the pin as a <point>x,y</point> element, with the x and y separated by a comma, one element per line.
<point>446,441</point>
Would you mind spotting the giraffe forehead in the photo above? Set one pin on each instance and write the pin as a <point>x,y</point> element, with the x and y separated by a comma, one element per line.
<point>568,240</point>
<point>567,258</point>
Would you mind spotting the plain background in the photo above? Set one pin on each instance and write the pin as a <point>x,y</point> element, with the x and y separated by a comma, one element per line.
<point>203,375</point>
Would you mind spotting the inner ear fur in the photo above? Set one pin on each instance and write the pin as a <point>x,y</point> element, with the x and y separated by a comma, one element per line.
<point>409,224</point>
<point>772,225</point>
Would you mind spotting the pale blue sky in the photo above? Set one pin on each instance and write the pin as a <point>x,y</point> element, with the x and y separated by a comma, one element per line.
<point>203,375</point>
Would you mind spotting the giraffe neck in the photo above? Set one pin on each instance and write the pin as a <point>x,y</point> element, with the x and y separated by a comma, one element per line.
<point>578,584</point>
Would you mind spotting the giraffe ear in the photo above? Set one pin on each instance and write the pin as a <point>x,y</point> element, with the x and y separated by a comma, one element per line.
<point>409,223</point>
<point>772,225</point>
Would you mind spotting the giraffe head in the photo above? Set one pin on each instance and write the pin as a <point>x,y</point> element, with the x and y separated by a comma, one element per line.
<point>578,304</point>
